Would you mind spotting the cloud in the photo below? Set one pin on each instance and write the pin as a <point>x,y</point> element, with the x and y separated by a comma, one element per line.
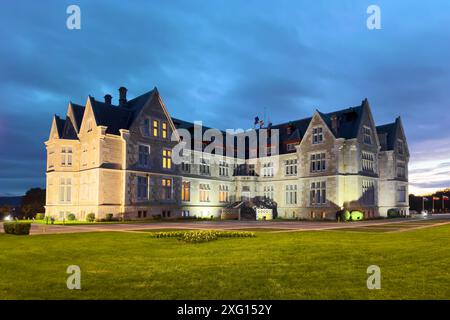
<point>224,62</point>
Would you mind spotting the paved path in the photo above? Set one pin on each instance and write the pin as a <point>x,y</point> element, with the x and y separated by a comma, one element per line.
<point>276,226</point>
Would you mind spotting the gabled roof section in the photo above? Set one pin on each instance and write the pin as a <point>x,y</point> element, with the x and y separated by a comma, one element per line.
<point>110,116</point>
<point>389,130</point>
<point>348,119</point>
<point>78,112</point>
<point>59,125</point>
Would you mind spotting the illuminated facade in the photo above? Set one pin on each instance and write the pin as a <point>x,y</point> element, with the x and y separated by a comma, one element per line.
<point>117,159</point>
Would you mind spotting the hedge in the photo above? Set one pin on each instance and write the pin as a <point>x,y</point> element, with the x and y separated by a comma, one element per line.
<point>17,228</point>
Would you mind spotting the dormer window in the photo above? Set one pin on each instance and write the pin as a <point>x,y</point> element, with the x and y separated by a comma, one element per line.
<point>155,128</point>
<point>290,146</point>
<point>164,130</point>
<point>317,136</point>
<point>367,135</point>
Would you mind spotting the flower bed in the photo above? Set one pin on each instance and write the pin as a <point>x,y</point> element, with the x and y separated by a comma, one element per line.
<point>202,236</point>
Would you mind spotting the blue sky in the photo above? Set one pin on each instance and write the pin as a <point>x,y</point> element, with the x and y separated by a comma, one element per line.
<point>224,62</point>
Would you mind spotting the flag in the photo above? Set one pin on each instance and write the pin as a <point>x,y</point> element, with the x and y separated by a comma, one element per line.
<point>445,198</point>
<point>426,199</point>
<point>436,198</point>
<point>256,120</point>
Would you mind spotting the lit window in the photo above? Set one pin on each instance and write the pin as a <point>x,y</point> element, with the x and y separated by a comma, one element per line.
<point>164,130</point>
<point>223,193</point>
<point>204,190</point>
<point>167,159</point>
<point>186,191</point>
<point>155,128</point>
<point>167,189</point>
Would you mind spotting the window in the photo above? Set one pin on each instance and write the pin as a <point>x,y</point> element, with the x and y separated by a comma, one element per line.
<point>204,192</point>
<point>317,136</point>
<point>155,128</point>
<point>186,191</point>
<point>268,169</point>
<point>368,192</point>
<point>65,190</point>
<point>400,147</point>
<point>146,128</point>
<point>291,167</point>
<point>166,189</point>
<point>251,170</point>
<point>401,169</point>
<point>223,193</point>
<point>318,193</point>
<point>204,167</point>
<point>223,169</point>
<point>66,156</point>
<point>144,155</point>
<point>291,194</point>
<point>185,213</point>
<point>164,130</point>
<point>367,135</point>
<point>368,161</point>
<point>318,162</point>
<point>401,194</point>
<point>142,188</point>
<point>290,146</point>
<point>186,167</point>
<point>167,159</point>
<point>268,192</point>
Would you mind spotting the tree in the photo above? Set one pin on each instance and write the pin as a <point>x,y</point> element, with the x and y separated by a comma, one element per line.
<point>33,202</point>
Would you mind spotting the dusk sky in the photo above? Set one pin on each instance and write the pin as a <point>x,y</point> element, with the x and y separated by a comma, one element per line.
<point>224,62</point>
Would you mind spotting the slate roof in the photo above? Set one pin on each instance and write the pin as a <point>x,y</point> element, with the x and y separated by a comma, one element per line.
<point>387,131</point>
<point>116,118</point>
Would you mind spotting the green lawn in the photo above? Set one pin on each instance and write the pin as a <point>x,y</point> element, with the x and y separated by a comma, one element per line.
<point>298,265</point>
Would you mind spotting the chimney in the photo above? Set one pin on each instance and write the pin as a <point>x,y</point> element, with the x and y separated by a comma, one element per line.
<point>122,96</point>
<point>334,123</point>
<point>108,99</point>
<point>289,129</point>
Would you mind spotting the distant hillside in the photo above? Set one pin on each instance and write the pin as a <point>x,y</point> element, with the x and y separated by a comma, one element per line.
<point>11,201</point>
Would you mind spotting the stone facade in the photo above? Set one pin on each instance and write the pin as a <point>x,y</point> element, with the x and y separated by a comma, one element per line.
<point>105,159</point>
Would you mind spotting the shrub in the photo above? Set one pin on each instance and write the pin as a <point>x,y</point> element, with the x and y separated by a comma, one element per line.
<point>40,216</point>
<point>90,217</point>
<point>357,215</point>
<point>199,236</point>
<point>71,217</point>
<point>109,217</point>
<point>17,228</point>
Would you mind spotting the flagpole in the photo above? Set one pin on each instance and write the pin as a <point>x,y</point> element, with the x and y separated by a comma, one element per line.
<point>432,203</point>
<point>423,203</point>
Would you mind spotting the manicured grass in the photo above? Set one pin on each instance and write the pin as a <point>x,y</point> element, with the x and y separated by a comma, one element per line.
<point>292,265</point>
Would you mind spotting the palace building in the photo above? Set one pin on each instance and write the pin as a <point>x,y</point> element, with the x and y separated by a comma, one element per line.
<point>105,159</point>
